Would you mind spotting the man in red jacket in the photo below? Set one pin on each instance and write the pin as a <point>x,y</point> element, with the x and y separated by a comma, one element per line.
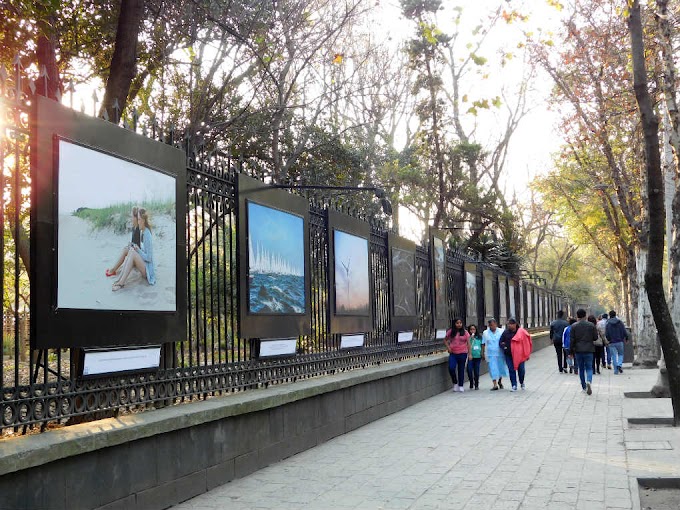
<point>516,344</point>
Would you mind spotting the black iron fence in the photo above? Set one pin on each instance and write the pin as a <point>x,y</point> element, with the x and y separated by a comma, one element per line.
<point>42,387</point>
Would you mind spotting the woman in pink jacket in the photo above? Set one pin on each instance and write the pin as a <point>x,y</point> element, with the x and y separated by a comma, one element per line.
<point>457,342</point>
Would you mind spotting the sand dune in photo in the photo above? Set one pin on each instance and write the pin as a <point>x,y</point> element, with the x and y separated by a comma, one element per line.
<point>84,259</point>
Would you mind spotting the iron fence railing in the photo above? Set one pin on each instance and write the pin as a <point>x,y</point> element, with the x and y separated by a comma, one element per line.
<point>42,387</point>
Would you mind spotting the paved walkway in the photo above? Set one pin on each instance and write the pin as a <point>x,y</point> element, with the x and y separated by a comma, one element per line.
<point>549,447</point>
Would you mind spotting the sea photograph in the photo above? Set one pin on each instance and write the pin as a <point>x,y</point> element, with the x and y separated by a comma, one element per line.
<point>351,274</point>
<point>95,231</point>
<point>276,264</point>
<point>440,278</point>
<point>403,281</point>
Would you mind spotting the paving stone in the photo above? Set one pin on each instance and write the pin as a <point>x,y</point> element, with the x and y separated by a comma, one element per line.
<point>549,447</point>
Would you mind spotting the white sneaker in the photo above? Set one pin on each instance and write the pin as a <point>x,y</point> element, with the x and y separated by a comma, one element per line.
<point>514,388</point>
<point>523,387</point>
<point>461,389</point>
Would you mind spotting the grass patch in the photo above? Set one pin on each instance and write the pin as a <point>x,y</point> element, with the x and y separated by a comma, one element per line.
<point>118,216</point>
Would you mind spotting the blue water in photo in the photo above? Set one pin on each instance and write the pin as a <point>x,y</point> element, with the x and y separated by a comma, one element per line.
<point>277,293</point>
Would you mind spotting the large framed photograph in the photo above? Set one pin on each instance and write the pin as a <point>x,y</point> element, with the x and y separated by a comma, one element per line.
<point>116,233</point>
<point>503,302</point>
<point>471,295</point>
<point>352,293</point>
<point>273,248</point>
<point>402,263</point>
<point>488,295</point>
<point>351,309</point>
<point>511,293</point>
<point>276,264</point>
<point>439,280</point>
<point>108,245</point>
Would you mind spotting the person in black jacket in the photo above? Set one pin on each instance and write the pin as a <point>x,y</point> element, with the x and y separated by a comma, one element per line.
<point>617,334</point>
<point>583,335</point>
<point>557,327</point>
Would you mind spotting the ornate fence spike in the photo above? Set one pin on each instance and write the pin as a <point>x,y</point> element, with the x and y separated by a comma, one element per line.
<point>3,75</point>
<point>105,114</point>
<point>32,86</point>
<point>58,95</point>
<point>135,118</point>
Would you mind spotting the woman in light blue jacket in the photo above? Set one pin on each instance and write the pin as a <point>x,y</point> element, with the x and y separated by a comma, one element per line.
<point>139,257</point>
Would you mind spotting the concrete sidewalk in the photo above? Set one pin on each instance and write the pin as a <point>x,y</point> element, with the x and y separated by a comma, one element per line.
<point>549,446</point>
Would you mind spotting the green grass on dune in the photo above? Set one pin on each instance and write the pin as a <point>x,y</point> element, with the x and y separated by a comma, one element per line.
<point>118,216</point>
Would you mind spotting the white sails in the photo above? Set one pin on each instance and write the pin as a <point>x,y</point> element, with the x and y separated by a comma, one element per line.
<point>265,262</point>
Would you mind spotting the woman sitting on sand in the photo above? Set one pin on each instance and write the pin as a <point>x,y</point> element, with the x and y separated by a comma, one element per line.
<point>139,257</point>
<point>135,241</point>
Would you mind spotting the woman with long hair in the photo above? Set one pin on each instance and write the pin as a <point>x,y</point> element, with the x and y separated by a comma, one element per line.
<point>135,240</point>
<point>139,257</point>
<point>457,342</point>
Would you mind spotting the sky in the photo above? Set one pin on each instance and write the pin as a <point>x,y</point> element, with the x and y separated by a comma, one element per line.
<point>89,178</point>
<point>276,232</point>
<point>536,138</point>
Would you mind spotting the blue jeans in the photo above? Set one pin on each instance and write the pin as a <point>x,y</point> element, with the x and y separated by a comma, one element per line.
<point>457,368</point>
<point>513,373</point>
<point>584,362</point>
<point>616,353</point>
<point>473,370</point>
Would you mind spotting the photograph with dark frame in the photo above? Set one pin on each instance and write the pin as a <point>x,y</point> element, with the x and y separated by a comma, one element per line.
<point>439,268</point>
<point>471,294</point>
<point>116,233</point>
<point>276,264</point>
<point>352,282</point>
<point>404,282</point>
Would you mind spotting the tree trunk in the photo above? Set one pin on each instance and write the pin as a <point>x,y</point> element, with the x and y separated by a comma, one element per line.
<point>645,337</point>
<point>123,63</point>
<point>49,82</point>
<point>655,191</point>
<point>630,312</point>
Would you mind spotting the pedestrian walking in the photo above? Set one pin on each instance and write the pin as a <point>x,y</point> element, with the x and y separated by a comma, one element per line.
<point>617,334</point>
<point>566,344</point>
<point>495,359</point>
<point>583,335</point>
<point>557,327</point>
<point>476,354</point>
<point>516,345</point>
<point>599,347</point>
<point>458,344</point>
<point>601,330</point>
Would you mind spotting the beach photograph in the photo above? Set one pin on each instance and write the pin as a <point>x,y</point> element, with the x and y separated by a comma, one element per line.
<point>276,264</point>
<point>440,278</point>
<point>351,274</point>
<point>97,233</point>
<point>403,282</point>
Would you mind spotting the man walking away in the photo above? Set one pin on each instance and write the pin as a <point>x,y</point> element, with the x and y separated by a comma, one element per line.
<point>601,330</point>
<point>557,327</point>
<point>617,334</point>
<point>583,336</point>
